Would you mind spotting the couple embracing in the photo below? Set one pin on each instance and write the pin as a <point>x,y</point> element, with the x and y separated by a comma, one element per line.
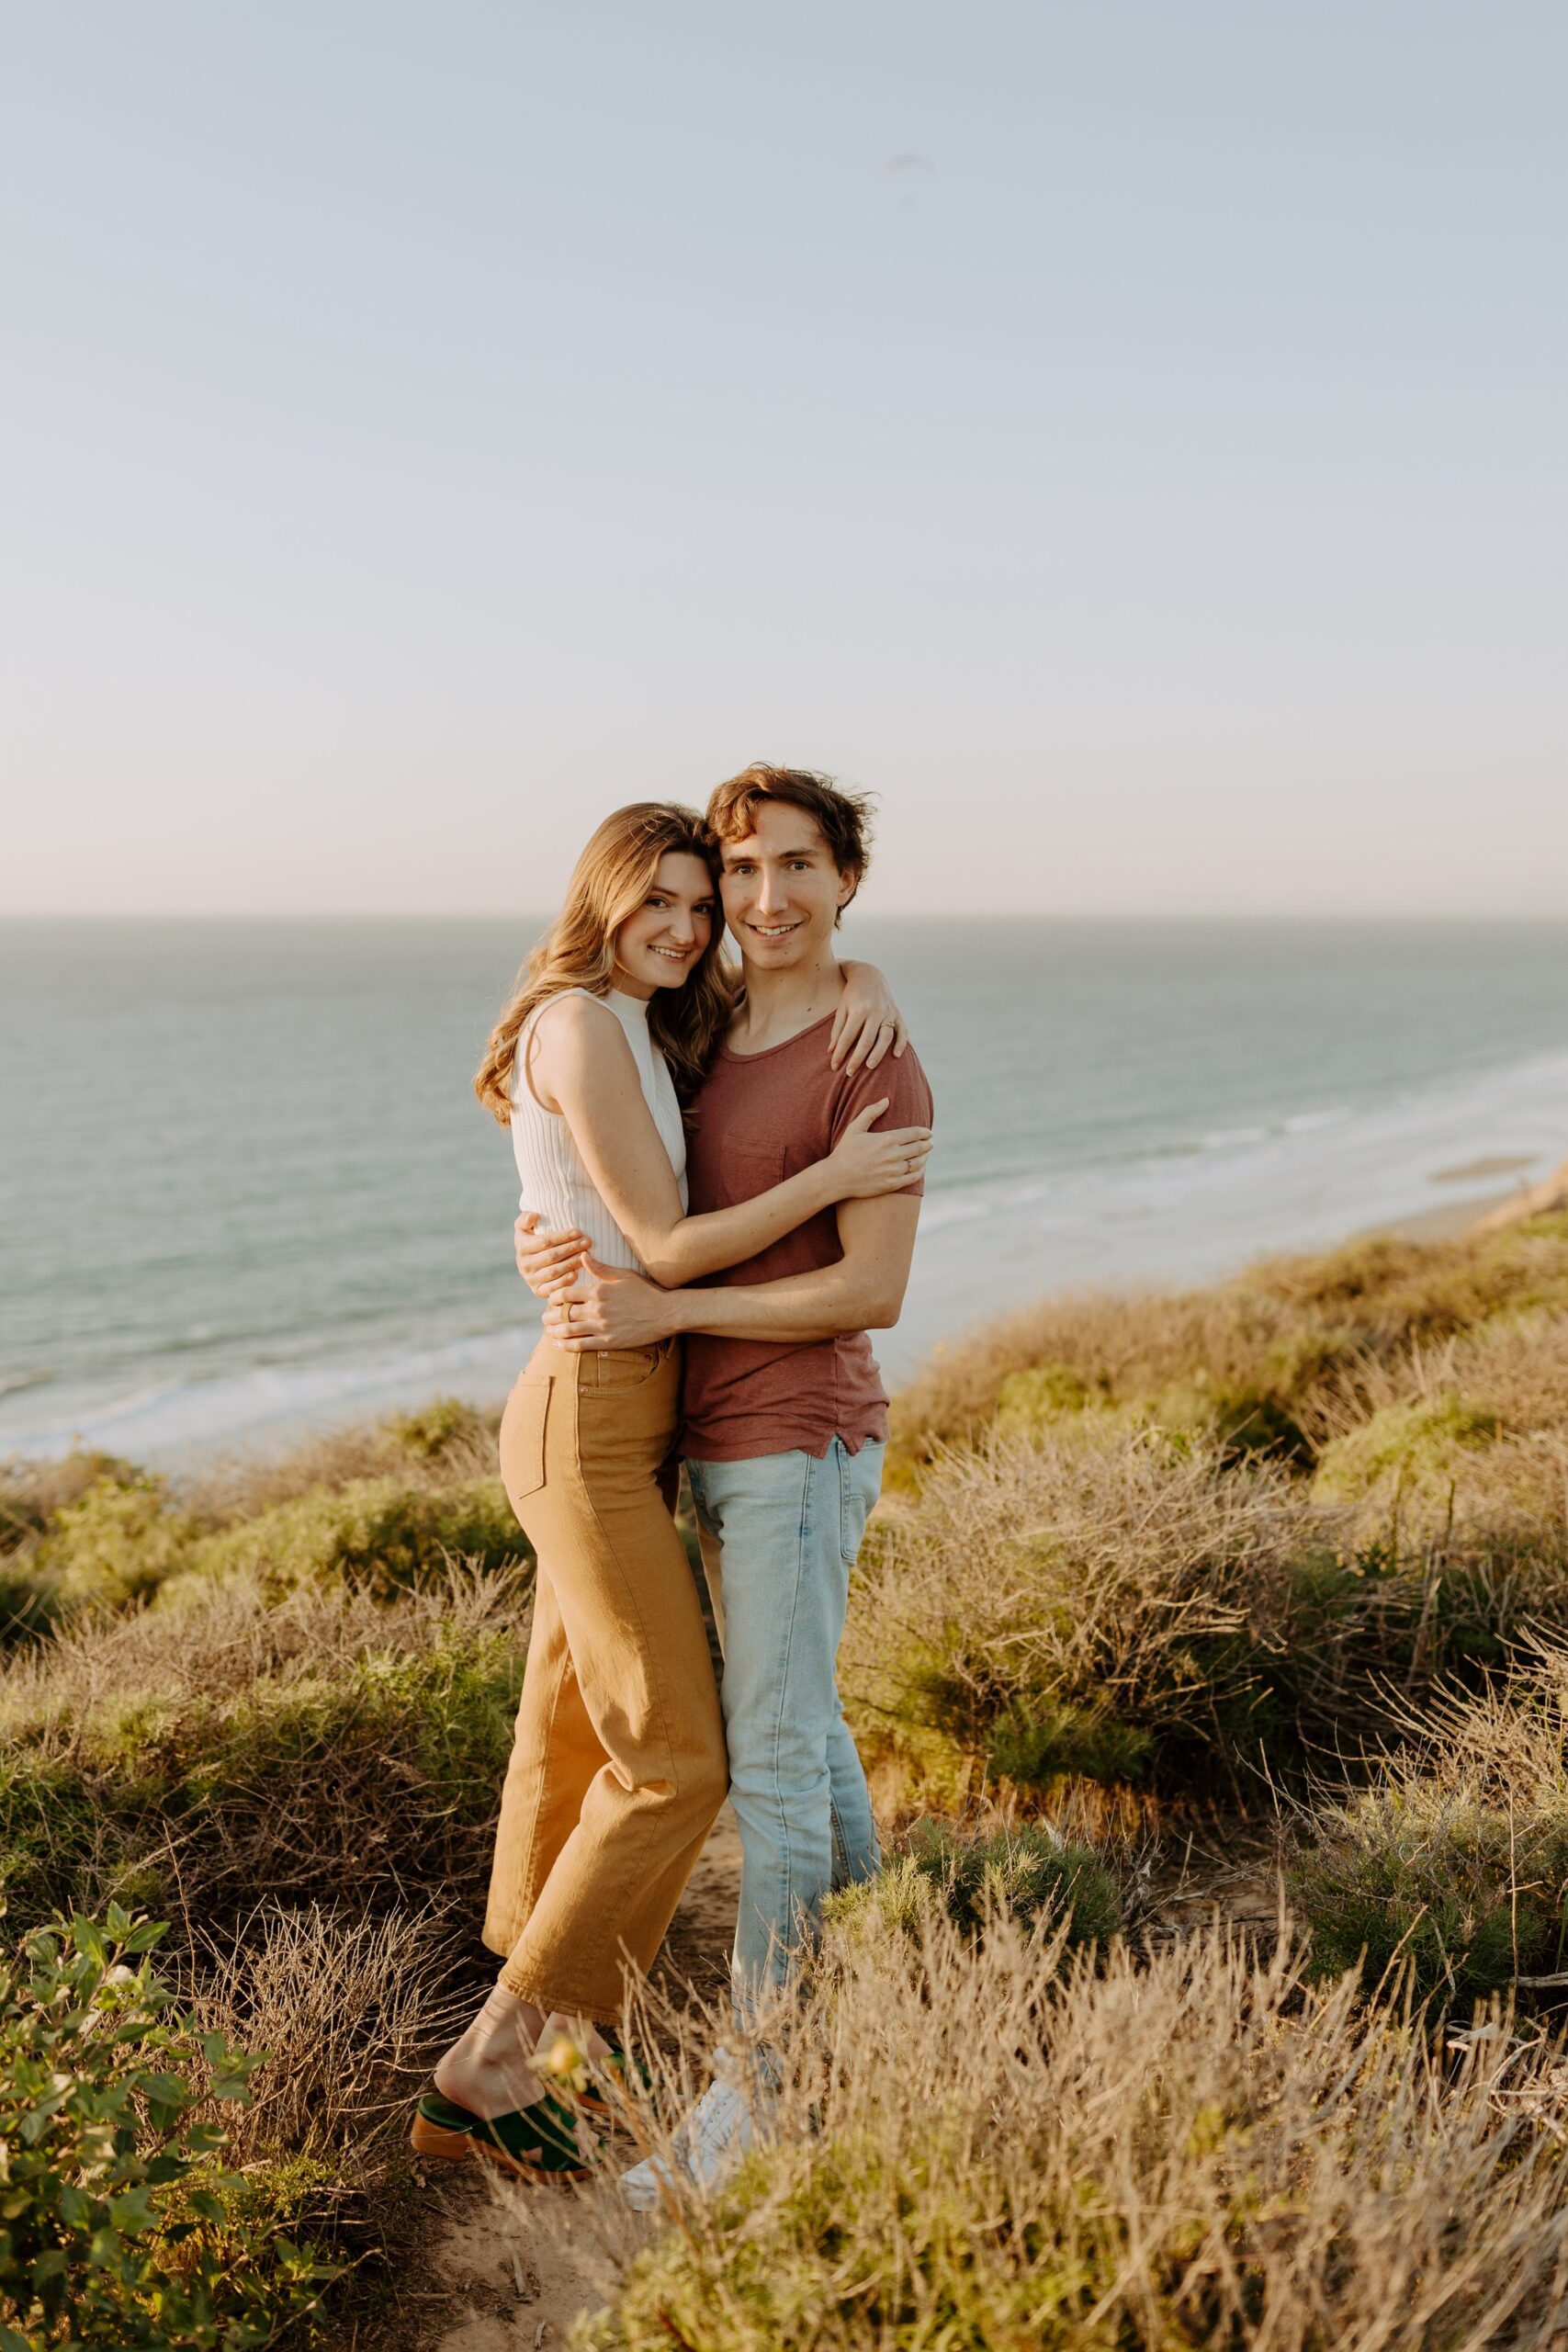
<point>726,1177</point>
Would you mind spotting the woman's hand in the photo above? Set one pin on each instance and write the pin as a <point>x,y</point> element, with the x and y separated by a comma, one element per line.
<point>611,1308</point>
<point>548,1262</point>
<point>862,1165</point>
<point>867,1021</point>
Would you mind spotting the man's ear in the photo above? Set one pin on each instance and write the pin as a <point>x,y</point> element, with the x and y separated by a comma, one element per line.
<point>849,883</point>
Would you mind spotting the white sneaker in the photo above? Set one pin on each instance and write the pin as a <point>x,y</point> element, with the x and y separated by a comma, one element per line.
<point>706,2147</point>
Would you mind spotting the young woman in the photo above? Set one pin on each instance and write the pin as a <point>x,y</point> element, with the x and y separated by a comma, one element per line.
<point>618,1767</point>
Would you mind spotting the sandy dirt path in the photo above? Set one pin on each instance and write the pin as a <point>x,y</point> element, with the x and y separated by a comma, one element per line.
<point>495,2285</point>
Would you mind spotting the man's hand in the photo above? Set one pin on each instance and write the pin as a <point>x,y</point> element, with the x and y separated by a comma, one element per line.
<point>548,1262</point>
<point>611,1308</point>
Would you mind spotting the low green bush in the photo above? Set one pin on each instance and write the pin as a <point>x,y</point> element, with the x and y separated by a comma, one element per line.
<point>1093,1599</point>
<point>118,2225</point>
<point>443,1430</point>
<point>1414,1445</point>
<point>1419,1882</point>
<point>333,1748</point>
<point>1450,1872</point>
<point>32,1492</point>
<point>1021,1874</point>
<point>115,1541</point>
<point>381,1533</point>
<point>1045,1392</point>
<point>382,1505</point>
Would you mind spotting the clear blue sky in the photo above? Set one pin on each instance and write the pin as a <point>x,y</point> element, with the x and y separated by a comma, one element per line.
<point>1129,436</point>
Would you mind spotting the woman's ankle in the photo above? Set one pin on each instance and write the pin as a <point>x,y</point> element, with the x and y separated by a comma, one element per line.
<point>507,2017</point>
<point>490,2068</point>
<point>581,2032</point>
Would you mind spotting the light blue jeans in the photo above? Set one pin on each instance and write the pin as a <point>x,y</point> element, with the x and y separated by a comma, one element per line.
<point>780,1536</point>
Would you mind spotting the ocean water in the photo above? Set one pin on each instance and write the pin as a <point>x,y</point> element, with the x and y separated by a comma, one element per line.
<point>245,1188</point>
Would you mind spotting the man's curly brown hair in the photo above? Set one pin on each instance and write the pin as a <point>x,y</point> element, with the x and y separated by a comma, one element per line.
<point>843,817</point>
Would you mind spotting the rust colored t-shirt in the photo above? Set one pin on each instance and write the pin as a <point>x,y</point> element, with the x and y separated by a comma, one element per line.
<point>761,1117</point>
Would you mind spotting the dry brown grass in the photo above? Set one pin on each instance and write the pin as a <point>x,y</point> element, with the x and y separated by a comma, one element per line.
<point>1279,1356</point>
<point>1514,1368</point>
<point>191,1759</point>
<point>1120,1344</point>
<point>446,1444</point>
<point>1462,1445</point>
<point>1090,1599</point>
<point>1010,2148</point>
<point>223,1639</point>
<point>351,2010</point>
<point>1517,1368</point>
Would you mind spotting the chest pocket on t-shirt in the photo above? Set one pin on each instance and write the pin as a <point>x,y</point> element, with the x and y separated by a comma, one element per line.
<point>745,1169</point>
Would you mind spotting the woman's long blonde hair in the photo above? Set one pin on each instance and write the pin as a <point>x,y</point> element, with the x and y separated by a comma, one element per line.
<point>609,883</point>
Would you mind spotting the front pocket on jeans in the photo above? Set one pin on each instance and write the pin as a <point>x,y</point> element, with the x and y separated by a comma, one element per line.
<point>607,1370</point>
<point>523,1438</point>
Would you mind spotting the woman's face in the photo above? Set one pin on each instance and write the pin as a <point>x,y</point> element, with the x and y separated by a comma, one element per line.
<point>657,946</point>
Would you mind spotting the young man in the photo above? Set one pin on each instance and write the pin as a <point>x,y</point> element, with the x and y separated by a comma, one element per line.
<point>784,1417</point>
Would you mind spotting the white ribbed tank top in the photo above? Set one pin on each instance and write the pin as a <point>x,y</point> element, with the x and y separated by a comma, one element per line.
<point>554,1178</point>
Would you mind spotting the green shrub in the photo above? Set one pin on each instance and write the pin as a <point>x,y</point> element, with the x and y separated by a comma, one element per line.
<point>1094,1600</point>
<point>1044,1393</point>
<point>382,1506</point>
<point>379,1532</point>
<point>1040,1739</point>
<point>1451,1869</point>
<point>31,1492</point>
<point>1414,1445</point>
<point>117,2226</point>
<point>1419,1881</point>
<point>115,1541</point>
<point>441,1429</point>
<point>325,1746</point>
<point>1022,1874</point>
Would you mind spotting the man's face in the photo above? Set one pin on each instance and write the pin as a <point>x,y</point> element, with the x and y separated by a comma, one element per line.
<point>782,889</point>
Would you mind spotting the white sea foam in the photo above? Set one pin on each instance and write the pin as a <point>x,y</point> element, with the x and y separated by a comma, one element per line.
<point>1304,1122</point>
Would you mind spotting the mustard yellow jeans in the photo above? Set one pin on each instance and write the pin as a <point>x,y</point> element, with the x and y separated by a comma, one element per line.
<point>618,1766</point>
